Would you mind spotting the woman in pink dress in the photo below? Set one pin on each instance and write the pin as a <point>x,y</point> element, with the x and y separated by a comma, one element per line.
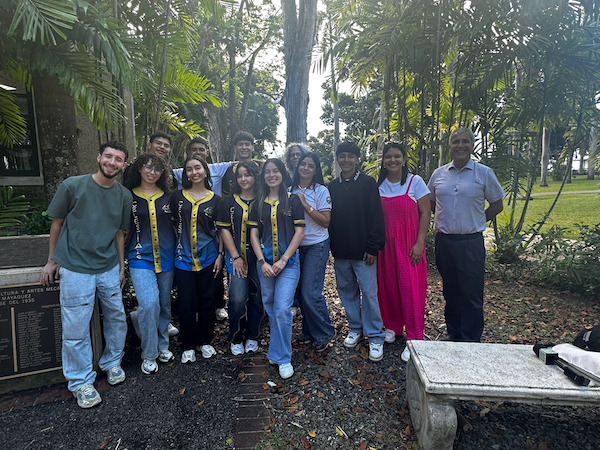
<point>401,266</point>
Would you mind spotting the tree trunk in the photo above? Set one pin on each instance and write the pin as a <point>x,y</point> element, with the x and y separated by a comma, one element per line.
<point>299,29</point>
<point>336,107</point>
<point>545,158</point>
<point>232,102</point>
<point>217,134</point>
<point>592,153</point>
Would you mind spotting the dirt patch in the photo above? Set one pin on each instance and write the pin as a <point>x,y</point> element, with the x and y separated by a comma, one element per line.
<point>337,400</point>
<point>341,400</point>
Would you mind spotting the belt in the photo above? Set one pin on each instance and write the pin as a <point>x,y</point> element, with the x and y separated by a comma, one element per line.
<point>460,237</point>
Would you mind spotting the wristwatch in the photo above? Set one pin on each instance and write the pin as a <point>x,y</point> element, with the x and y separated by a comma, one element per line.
<point>261,261</point>
<point>311,209</point>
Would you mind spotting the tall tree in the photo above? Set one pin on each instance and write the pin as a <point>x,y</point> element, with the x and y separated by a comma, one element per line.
<point>299,30</point>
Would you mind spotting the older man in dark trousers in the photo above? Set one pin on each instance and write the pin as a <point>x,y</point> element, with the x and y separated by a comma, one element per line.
<point>459,191</point>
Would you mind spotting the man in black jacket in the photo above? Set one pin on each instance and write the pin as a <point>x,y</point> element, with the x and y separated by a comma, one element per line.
<point>357,233</point>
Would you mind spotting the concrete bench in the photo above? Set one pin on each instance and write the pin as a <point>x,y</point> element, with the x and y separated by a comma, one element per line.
<point>440,372</point>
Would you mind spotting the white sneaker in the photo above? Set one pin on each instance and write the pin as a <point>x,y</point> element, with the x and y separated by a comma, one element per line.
<point>375,351</point>
<point>222,314</point>
<point>390,336</point>
<point>251,346</point>
<point>352,339</point>
<point>189,356</point>
<point>207,351</point>
<point>87,396</point>
<point>115,375</point>
<point>149,366</point>
<point>286,370</point>
<point>172,330</point>
<point>236,349</point>
<point>165,356</point>
<point>405,355</point>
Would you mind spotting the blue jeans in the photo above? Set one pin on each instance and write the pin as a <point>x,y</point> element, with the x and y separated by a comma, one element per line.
<point>354,277</point>
<point>278,296</point>
<point>245,305</point>
<point>153,292</point>
<point>77,295</point>
<point>316,323</point>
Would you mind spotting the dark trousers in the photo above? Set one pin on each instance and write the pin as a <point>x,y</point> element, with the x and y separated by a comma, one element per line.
<point>220,290</point>
<point>461,262</point>
<point>196,299</point>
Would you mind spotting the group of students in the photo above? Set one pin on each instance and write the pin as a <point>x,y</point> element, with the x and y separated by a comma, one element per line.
<point>273,235</point>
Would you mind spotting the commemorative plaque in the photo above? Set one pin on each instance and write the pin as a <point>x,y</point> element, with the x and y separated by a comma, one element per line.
<point>30,330</point>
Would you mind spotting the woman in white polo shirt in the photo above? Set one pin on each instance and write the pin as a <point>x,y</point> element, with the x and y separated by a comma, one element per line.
<point>314,251</point>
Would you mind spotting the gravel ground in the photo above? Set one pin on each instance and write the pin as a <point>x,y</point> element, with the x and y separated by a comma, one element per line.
<point>336,400</point>
<point>180,407</point>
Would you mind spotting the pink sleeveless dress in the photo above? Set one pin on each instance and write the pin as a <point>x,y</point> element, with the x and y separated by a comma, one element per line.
<point>402,286</point>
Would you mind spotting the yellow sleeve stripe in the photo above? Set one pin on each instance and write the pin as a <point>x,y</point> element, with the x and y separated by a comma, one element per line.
<point>300,222</point>
<point>223,224</point>
<point>252,224</point>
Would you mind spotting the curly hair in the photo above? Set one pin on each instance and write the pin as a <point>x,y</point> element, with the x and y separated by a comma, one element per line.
<point>186,182</point>
<point>116,145</point>
<point>134,177</point>
<point>303,149</point>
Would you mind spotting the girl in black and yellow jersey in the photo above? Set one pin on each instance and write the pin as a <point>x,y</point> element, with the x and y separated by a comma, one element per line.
<point>198,258</point>
<point>245,304</point>
<point>150,253</point>
<point>277,222</point>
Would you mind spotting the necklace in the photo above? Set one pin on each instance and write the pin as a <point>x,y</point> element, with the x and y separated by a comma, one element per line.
<point>149,193</point>
<point>198,195</point>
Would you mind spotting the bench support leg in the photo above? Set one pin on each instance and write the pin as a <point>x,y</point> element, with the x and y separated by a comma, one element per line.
<point>434,419</point>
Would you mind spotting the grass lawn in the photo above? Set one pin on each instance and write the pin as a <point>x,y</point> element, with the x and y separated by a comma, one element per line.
<point>570,209</point>
<point>578,184</point>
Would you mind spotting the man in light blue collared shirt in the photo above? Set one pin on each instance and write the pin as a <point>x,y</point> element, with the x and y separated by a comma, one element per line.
<point>459,191</point>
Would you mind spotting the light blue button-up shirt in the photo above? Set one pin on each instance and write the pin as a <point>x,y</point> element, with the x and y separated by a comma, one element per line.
<point>460,197</point>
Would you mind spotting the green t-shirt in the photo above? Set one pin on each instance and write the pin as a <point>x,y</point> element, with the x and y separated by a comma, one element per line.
<point>93,214</point>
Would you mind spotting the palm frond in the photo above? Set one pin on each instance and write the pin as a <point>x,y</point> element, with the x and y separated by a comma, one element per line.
<point>12,125</point>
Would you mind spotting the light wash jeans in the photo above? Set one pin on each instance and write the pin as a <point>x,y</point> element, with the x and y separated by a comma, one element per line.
<point>278,297</point>
<point>316,323</point>
<point>153,292</point>
<point>77,295</point>
<point>354,277</point>
<point>245,305</point>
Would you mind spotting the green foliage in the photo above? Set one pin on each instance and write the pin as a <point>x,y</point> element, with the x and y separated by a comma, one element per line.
<point>567,264</point>
<point>12,124</point>
<point>12,211</point>
<point>37,222</point>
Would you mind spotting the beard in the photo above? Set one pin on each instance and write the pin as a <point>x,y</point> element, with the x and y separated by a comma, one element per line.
<point>108,175</point>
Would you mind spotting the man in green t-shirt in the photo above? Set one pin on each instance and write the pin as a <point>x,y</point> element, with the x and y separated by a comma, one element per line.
<point>90,214</point>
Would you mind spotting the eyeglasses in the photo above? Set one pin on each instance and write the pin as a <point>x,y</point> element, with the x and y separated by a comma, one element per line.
<point>150,169</point>
<point>161,144</point>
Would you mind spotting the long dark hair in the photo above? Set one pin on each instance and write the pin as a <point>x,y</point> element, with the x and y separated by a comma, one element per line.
<point>253,170</point>
<point>265,189</point>
<point>134,178</point>
<point>186,182</point>
<point>317,178</point>
<point>383,172</point>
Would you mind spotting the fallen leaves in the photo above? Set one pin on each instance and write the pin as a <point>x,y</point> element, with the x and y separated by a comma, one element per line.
<point>181,391</point>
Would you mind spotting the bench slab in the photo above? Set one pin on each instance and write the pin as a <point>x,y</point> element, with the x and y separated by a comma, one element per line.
<point>440,372</point>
